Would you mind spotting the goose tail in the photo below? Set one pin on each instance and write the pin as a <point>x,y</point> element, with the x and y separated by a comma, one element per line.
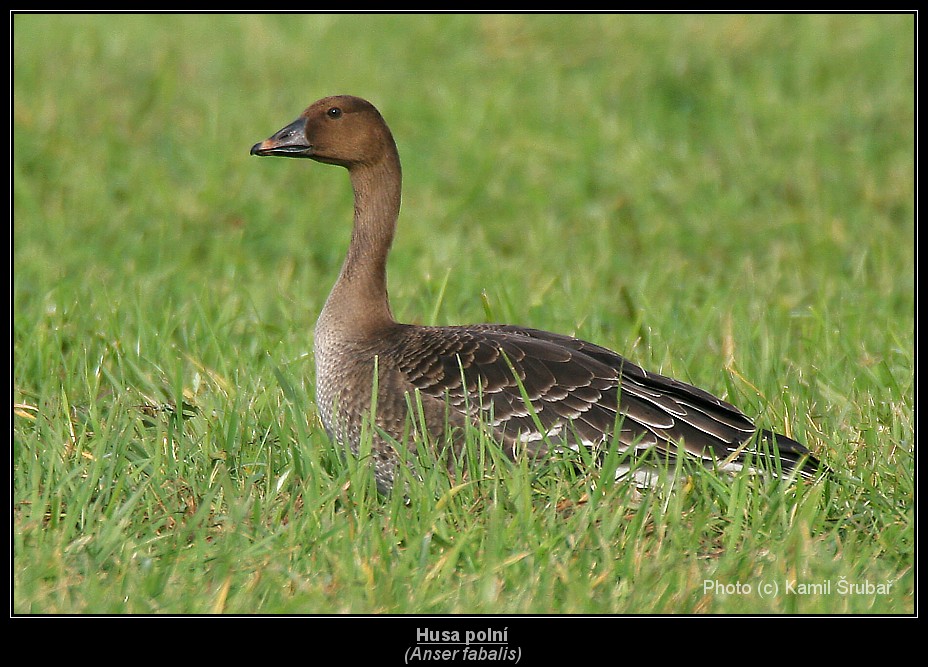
<point>793,456</point>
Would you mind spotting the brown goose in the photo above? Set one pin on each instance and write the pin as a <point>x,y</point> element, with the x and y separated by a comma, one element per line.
<point>535,391</point>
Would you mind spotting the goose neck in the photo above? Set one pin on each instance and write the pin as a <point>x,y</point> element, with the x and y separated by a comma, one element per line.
<point>359,299</point>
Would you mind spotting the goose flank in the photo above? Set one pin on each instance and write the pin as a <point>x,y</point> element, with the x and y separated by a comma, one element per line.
<point>580,394</point>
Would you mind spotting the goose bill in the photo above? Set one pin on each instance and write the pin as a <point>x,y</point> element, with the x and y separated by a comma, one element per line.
<point>288,142</point>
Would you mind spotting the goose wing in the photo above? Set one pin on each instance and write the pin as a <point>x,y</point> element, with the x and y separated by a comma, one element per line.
<point>534,388</point>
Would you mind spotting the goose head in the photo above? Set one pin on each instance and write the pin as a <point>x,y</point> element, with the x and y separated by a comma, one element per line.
<point>342,130</point>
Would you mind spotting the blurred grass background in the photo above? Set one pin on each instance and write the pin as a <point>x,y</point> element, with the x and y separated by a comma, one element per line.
<point>727,199</point>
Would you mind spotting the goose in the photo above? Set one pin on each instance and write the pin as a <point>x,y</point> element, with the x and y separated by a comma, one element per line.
<point>534,392</point>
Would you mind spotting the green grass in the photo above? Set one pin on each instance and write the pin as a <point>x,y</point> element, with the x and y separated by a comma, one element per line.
<point>726,199</point>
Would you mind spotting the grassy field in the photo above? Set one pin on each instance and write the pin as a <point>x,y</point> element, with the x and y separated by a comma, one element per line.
<point>725,199</point>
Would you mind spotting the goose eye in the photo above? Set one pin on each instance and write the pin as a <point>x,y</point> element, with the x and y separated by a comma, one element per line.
<point>334,112</point>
